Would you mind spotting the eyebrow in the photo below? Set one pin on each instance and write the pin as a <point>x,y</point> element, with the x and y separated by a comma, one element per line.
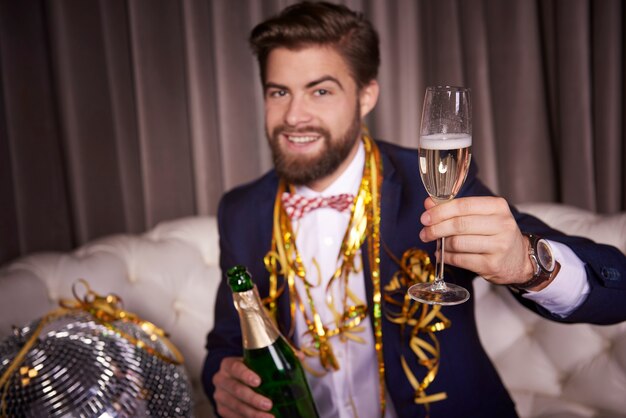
<point>323,79</point>
<point>270,85</point>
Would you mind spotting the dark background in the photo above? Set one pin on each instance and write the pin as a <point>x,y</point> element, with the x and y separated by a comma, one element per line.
<point>118,114</point>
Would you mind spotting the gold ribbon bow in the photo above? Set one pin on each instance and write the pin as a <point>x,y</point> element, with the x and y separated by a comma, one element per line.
<point>108,309</point>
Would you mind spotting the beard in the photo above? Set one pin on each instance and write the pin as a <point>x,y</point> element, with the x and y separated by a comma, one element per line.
<point>303,169</point>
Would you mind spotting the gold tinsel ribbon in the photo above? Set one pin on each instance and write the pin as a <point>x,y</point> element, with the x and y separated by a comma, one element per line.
<point>105,310</point>
<point>284,260</point>
<point>421,319</point>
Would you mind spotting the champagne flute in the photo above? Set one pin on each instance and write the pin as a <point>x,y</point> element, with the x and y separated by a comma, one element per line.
<point>445,150</point>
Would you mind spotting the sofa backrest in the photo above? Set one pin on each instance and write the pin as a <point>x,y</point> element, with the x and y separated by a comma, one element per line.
<point>168,276</point>
<point>553,369</point>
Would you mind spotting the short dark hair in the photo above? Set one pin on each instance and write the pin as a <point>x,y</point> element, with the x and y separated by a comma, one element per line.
<point>321,23</point>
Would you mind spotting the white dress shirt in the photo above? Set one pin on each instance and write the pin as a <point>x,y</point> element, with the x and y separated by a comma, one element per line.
<point>353,390</point>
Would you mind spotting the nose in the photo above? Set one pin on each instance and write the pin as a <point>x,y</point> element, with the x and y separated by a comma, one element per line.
<point>297,112</point>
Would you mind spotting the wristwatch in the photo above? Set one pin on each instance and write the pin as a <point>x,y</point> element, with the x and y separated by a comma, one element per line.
<point>543,261</point>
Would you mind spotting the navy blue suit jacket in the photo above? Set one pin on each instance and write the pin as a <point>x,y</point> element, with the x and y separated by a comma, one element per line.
<point>466,374</point>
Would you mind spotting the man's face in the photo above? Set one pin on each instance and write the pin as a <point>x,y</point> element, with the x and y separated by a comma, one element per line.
<point>312,114</point>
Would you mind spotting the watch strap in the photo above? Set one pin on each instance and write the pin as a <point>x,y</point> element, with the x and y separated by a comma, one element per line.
<point>540,275</point>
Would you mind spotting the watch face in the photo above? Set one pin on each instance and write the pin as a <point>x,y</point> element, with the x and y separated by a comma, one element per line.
<point>544,255</point>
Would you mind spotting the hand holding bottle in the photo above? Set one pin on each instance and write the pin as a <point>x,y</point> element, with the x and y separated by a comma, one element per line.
<point>234,395</point>
<point>270,366</point>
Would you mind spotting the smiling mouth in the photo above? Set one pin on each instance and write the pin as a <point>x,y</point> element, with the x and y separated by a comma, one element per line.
<point>302,139</point>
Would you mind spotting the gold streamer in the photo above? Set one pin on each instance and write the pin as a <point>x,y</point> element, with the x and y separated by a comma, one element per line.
<point>284,260</point>
<point>422,319</point>
<point>374,165</point>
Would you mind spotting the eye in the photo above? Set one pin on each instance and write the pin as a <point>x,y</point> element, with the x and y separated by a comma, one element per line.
<point>322,92</point>
<point>277,93</point>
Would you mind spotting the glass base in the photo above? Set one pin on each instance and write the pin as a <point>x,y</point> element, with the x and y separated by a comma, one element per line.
<point>447,294</point>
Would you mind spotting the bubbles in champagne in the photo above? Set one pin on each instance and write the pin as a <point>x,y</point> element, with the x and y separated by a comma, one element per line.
<point>444,161</point>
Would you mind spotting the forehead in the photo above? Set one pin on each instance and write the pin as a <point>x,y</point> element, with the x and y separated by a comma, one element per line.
<point>301,66</point>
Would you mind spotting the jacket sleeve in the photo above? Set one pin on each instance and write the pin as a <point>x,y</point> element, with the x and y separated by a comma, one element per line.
<point>605,266</point>
<point>606,274</point>
<point>245,226</point>
<point>224,340</point>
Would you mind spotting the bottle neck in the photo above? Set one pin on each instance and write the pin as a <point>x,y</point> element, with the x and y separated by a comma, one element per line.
<point>257,329</point>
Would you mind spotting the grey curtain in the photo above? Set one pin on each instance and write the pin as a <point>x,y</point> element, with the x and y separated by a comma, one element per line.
<point>118,114</point>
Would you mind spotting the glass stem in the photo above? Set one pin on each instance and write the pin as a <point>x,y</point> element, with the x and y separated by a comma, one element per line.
<point>439,285</point>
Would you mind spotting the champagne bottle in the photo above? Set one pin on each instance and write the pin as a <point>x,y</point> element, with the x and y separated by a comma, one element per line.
<point>268,354</point>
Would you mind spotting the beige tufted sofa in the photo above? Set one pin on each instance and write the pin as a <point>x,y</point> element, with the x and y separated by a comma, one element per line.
<point>169,276</point>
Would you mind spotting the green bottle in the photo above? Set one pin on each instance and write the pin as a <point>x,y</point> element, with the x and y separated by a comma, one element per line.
<point>268,354</point>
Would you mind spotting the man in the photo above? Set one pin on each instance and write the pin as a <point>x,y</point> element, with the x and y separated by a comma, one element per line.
<point>333,278</point>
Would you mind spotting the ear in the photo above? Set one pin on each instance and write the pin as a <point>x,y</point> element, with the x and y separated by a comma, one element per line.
<point>368,97</point>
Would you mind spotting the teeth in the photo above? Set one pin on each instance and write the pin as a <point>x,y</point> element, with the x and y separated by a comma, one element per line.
<point>301,139</point>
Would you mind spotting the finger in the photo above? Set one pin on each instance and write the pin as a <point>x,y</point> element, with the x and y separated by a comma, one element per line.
<point>485,226</point>
<point>230,381</point>
<point>229,406</point>
<point>496,269</point>
<point>480,205</point>
<point>468,261</point>
<point>429,203</point>
<point>235,367</point>
<point>471,244</point>
<point>484,266</point>
<point>223,409</point>
<point>246,394</point>
<point>238,397</point>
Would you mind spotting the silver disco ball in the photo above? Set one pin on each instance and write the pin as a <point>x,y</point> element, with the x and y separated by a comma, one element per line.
<point>80,363</point>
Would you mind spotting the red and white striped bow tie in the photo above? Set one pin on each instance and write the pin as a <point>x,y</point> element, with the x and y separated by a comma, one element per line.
<point>297,206</point>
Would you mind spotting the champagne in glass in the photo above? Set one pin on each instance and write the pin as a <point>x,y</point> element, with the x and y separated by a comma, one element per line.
<point>445,146</point>
<point>444,162</point>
